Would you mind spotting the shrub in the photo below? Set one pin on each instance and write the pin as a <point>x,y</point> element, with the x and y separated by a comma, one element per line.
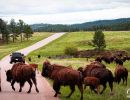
<point>99,40</point>
<point>71,50</point>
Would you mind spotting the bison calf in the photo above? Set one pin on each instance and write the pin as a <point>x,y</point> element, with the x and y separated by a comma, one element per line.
<point>93,82</point>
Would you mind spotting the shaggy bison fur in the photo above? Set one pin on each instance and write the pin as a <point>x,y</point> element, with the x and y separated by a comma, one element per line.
<point>35,67</point>
<point>21,73</point>
<point>63,76</point>
<point>93,82</point>
<point>103,74</point>
<point>120,72</point>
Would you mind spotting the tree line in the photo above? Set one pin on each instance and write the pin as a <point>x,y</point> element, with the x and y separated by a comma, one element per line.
<point>13,30</point>
<point>122,24</point>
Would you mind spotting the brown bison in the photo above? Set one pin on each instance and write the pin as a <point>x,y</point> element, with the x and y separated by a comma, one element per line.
<point>99,59</point>
<point>63,76</point>
<point>21,73</point>
<point>97,63</point>
<point>120,72</point>
<point>39,56</point>
<point>125,58</point>
<point>103,74</point>
<point>35,67</point>
<point>93,82</point>
<point>29,59</point>
<point>107,59</point>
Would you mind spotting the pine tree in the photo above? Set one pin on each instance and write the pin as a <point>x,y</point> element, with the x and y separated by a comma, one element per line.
<point>99,40</point>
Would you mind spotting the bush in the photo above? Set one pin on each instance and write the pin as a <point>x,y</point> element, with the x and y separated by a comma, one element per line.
<point>71,50</point>
<point>99,40</point>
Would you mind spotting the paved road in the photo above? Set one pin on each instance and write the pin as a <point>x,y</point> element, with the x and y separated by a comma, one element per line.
<point>46,91</point>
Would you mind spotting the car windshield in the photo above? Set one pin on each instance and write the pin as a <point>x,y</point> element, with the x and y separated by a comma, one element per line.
<point>17,55</point>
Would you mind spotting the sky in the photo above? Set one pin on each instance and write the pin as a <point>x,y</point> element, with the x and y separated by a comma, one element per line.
<point>63,11</point>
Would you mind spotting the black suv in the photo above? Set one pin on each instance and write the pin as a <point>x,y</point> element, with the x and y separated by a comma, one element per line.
<point>17,57</point>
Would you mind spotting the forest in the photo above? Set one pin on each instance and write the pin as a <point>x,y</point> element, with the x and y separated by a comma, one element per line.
<point>122,24</point>
<point>13,30</point>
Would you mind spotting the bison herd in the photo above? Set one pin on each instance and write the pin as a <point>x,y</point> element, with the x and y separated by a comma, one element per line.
<point>92,75</point>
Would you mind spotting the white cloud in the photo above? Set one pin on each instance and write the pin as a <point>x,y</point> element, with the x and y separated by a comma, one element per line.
<point>63,11</point>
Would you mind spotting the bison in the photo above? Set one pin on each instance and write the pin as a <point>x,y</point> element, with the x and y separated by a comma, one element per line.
<point>29,59</point>
<point>99,59</point>
<point>21,73</point>
<point>125,58</point>
<point>120,72</point>
<point>63,76</point>
<point>39,56</point>
<point>93,82</point>
<point>103,74</point>
<point>97,63</point>
<point>107,59</point>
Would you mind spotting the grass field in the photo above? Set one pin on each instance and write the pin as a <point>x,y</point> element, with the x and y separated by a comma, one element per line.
<point>114,40</point>
<point>8,48</point>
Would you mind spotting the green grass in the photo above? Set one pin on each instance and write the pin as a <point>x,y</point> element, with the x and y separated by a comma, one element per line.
<point>114,40</point>
<point>5,49</point>
<point>57,47</point>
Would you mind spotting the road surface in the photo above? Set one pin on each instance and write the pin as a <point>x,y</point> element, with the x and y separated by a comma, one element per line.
<point>46,91</point>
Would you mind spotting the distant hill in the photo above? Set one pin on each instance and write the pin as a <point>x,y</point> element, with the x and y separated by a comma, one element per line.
<point>121,24</point>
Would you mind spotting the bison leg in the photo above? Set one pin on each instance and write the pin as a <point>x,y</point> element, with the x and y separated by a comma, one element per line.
<point>126,79</point>
<point>98,89</point>
<point>93,88</point>
<point>56,87</point>
<point>104,87</point>
<point>21,85</point>
<point>72,87</point>
<point>12,84</point>
<point>81,91</point>
<point>119,79</point>
<point>0,88</point>
<point>30,83</point>
<point>35,83</point>
<point>111,87</point>
<point>85,86</point>
<point>123,79</point>
<point>37,70</point>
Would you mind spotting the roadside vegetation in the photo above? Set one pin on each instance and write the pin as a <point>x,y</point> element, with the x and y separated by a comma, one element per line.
<point>115,40</point>
<point>6,49</point>
<point>10,31</point>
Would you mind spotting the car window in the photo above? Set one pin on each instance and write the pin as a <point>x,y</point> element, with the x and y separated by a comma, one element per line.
<point>17,55</point>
